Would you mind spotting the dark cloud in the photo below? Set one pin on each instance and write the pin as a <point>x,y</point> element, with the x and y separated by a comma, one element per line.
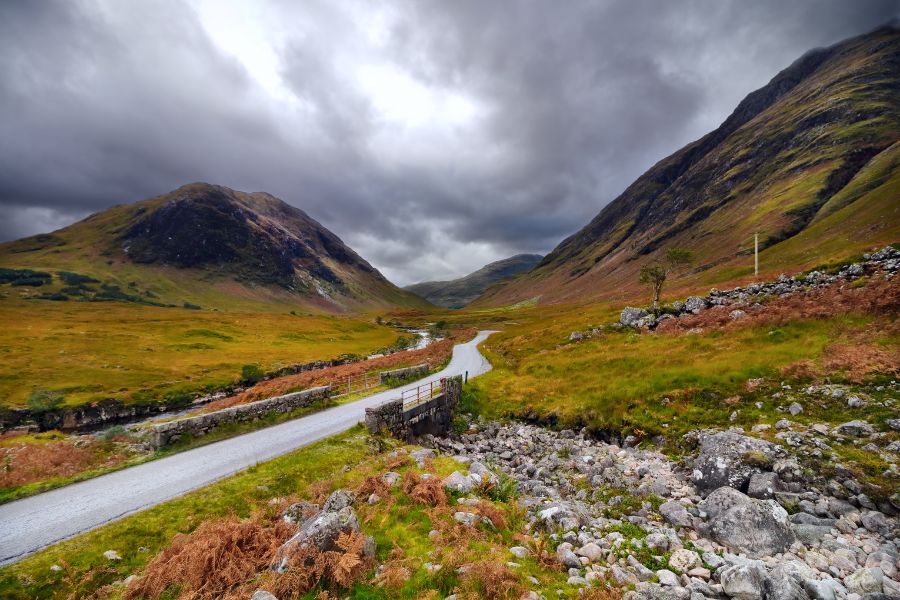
<point>432,136</point>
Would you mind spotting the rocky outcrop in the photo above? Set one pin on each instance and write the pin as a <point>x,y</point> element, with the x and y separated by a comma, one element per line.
<point>597,501</point>
<point>323,528</point>
<point>729,459</point>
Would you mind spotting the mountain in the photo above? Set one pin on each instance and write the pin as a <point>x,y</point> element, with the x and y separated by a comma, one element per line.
<point>459,292</point>
<point>210,243</point>
<point>810,161</point>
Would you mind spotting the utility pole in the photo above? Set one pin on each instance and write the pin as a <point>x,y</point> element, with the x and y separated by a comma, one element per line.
<point>756,254</point>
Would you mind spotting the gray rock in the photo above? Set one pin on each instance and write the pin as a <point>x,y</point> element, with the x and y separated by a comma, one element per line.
<point>744,582</point>
<point>864,581</point>
<point>743,524</point>
<point>457,482</point>
<point>630,316</point>
<point>657,541</point>
<point>795,409</point>
<point>762,485</point>
<point>877,522</point>
<point>810,534</point>
<point>728,458</point>
<point>642,572</point>
<point>783,583</point>
<point>667,578</point>
<point>675,513</point>
<point>337,500</point>
<point>818,590</point>
<point>736,315</point>
<point>519,551</point>
<point>262,595</point>
<point>300,512</point>
<point>466,518</point>
<point>854,429</point>
<point>568,558</point>
<point>320,531</point>
<point>694,304</point>
<point>683,560</point>
<point>591,551</point>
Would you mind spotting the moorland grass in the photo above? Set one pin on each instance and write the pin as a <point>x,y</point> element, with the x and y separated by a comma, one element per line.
<point>92,351</point>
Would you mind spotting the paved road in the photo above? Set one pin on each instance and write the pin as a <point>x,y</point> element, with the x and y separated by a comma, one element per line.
<point>30,524</point>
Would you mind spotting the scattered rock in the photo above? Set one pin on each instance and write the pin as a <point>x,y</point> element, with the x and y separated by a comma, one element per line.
<point>112,555</point>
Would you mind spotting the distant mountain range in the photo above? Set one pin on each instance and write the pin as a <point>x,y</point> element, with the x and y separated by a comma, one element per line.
<point>810,161</point>
<point>210,245</point>
<point>457,293</point>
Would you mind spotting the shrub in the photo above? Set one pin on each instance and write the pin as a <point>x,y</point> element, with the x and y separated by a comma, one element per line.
<point>76,279</point>
<point>41,400</point>
<point>251,374</point>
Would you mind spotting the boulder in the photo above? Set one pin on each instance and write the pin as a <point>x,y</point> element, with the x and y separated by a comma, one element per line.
<point>630,316</point>
<point>728,458</point>
<point>262,595</point>
<point>745,581</point>
<point>694,304</point>
<point>320,531</point>
<point>743,524</point>
<point>854,429</point>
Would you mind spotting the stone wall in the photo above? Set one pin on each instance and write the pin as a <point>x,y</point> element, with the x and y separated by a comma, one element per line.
<point>163,434</point>
<point>434,416</point>
<point>387,418</point>
<point>404,373</point>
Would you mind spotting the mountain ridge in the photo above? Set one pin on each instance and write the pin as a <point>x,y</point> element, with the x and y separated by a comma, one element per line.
<point>457,293</point>
<point>251,245</point>
<point>773,165</point>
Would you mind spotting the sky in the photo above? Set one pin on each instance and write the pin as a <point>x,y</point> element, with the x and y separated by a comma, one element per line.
<point>433,137</point>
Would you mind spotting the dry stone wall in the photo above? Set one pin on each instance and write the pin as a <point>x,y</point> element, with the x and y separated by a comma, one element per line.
<point>163,434</point>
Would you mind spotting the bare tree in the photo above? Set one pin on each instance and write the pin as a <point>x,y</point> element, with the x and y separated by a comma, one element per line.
<point>655,275</point>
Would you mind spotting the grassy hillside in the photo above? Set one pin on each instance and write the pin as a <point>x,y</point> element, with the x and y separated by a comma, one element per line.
<point>809,162</point>
<point>88,351</point>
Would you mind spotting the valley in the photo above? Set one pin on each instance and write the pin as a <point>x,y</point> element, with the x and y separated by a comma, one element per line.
<point>207,394</point>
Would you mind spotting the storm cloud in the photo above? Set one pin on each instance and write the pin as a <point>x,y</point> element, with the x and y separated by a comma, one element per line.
<point>432,137</point>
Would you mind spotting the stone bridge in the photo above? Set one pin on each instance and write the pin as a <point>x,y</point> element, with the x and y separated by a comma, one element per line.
<point>426,409</point>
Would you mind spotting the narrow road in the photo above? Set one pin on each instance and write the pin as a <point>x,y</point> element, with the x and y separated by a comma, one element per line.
<point>30,524</point>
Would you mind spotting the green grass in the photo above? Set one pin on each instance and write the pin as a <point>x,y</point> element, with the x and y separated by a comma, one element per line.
<point>620,381</point>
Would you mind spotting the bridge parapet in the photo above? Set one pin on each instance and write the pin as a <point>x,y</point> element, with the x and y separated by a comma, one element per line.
<point>426,409</point>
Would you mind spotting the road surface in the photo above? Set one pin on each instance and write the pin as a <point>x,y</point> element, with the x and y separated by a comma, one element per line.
<point>30,524</point>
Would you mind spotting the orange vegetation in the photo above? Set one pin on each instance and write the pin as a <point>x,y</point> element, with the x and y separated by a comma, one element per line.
<point>878,296</point>
<point>24,463</point>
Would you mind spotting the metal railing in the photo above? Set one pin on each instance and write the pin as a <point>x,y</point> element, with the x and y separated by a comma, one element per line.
<point>422,394</point>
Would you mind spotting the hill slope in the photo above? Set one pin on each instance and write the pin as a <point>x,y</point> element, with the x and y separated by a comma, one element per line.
<point>810,161</point>
<point>213,246</point>
<point>457,293</point>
